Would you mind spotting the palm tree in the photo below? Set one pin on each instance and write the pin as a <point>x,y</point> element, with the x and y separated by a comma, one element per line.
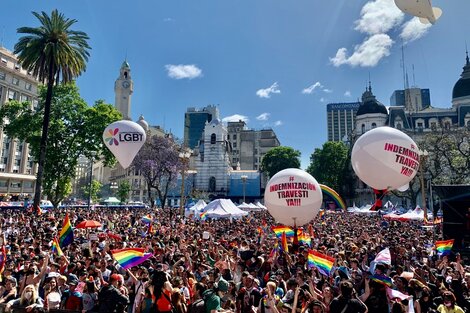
<point>52,52</point>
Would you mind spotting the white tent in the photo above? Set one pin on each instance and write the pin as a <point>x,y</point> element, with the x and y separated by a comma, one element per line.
<point>244,206</point>
<point>195,209</point>
<point>261,206</point>
<point>223,208</point>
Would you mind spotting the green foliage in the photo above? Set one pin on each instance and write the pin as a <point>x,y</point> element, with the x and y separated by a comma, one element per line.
<point>75,129</point>
<point>95,190</point>
<point>280,158</point>
<point>123,191</point>
<point>329,164</point>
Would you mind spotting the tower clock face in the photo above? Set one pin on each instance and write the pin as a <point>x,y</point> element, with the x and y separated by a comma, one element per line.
<point>125,84</point>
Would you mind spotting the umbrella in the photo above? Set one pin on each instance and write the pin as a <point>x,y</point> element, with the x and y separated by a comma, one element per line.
<point>88,224</point>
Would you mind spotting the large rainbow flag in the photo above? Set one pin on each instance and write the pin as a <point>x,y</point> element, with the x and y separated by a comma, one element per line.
<point>279,230</point>
<point>444,247</point>
<point>333,195</point>
<point>322,262</point>
<point>130,257</point>
<point>66,233</point>
<point>304,238</point>
<point>382,279</point>
<point>147,219</point>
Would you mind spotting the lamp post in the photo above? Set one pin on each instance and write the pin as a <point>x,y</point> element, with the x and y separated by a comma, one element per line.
<point>184,156</point>
<point>244,178</point>
<point>423,155</point>
<point>92,158</point>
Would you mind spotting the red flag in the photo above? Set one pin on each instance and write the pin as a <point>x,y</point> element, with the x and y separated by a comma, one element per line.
<point>310,230</point>
<point>379,195</point>
<point>3,260</point>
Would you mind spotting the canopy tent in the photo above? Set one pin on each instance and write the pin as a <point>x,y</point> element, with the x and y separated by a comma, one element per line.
<point>244,206</point>
<point>249,207</point>
<point>195,209</point>
<point>412,215</point>
<point>223,208</point>
<point>261,206</point>
<point>364,210</point>
<point>111,200</point>
<point>392,215</point>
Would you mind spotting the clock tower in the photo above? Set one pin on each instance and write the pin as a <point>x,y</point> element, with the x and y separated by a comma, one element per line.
<point>123,88</point>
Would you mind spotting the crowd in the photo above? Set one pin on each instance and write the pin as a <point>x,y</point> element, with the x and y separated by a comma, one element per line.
<point>239,268</point>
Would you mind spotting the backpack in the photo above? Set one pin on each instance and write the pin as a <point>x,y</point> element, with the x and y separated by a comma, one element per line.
<point>198,306</point>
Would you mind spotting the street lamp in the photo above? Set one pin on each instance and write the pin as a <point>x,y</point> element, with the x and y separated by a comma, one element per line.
<point>244,178</point>
<point>184,155</point>
<point>423,154</point>
<point>92,158</point>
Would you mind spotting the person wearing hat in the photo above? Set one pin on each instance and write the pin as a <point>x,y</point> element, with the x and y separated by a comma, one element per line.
<point>72,298</point>
<point>110,298</point>
<point>212,296</point>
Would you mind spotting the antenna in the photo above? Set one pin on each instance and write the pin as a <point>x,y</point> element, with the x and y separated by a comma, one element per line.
<point>414,79</point>
<point>403,66</point>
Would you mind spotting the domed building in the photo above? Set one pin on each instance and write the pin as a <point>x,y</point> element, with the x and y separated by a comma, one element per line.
<point>370,114</point>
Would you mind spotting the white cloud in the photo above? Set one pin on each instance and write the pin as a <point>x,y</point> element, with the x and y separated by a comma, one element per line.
<point>347,93</point>
<point>278,123</point>
<point>367,54</point>
<point>327,90</point>
<point>263,116</point>
<point>266,93</point>
<point>378,17</point>
<point>310,89</point>
<point>168,19</point>
<point>181,71</point>
<point>322,99</point>
<point>413,30</point>
<point>235,118</point>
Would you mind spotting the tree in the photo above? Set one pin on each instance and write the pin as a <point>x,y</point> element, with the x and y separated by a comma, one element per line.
<point>52,52</point>
<point>280,158</point>
<point>75,129</point>
<point>95,191</point>
<point>329,164</point>
<point>159,163</point>
<point>123,191</point>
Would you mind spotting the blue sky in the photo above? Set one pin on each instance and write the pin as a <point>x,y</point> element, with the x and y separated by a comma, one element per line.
<point>277,63</point>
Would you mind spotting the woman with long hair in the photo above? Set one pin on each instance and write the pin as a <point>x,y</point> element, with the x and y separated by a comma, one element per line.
<point>29,300</point>
<point>52,295</point>
<point>162,290</point>
<point>449,305</point>
<point>178,301</point>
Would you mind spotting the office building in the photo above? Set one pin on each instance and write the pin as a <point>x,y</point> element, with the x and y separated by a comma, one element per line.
<point>340,120</point>
<point>194,122</point>
<point>16,165</point>
<point>414,99</point>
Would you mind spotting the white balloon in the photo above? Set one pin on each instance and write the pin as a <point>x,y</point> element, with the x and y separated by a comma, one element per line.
<point>293,196</point>
<point>124,139</point>
<point>404,188</point>
<point>385,158</point>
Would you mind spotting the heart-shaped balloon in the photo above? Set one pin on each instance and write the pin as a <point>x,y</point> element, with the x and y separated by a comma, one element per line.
<point>124,139</point>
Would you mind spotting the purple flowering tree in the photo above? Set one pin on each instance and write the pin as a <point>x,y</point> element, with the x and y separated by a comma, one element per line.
<point>159,163</point>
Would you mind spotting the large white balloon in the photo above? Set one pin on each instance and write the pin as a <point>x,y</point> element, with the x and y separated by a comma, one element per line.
<point>293,196</point>
<point>385,158</point>
<point>404,188</point>
<point>124,139</point>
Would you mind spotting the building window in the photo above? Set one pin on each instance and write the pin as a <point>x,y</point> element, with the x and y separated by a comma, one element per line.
<point>25,98</point>
<point>3,76</point>
<point>374,125</point>
<point>468,124</point>
<point>235,136</point>
<point>213,139</point>
<point>363,128</point>
<point>4,61</point>
<point>228,137</point>
<point>12,95</point>
<point>27,86</point>
<point>234,144</point>
<point>447,125</point>
<point>212,184</point>
<point>419,125</point>
<point>15,81</point>
<point>15,184</point>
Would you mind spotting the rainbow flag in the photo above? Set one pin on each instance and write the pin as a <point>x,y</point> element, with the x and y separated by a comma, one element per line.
<point>321,214</point>
<point>305,239</point>
<point>382,279</point>
<point>322,262</point>
<point>56,247</point>
<point>147,219</point>
<point>203,216</point>
<point>284,245</point>
<point>333,195</point>
<point>444,247</point>
<point>130,257</point>
<point>279,230</point>
<point>3,261</point>
<point>66,233</point>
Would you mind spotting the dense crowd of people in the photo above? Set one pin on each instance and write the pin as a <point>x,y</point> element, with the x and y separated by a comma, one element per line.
<point>225,266</point>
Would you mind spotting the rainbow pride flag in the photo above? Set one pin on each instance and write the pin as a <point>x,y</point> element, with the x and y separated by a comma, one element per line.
<point>305,239</point>
<point>56,247</point>
<point>130,257</point>
<point>203,216</point>
<point>382,279</point>
<point>284,245</point>
<point>147,219</point>
<point>333,195</point>
<point>66,233</point>
<point>279,230</point>
<point>444,247</point>
<point>322,262</point>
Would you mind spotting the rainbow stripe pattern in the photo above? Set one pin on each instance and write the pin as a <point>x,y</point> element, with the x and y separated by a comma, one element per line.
<point>444,247</point>
<point>66,233</point>
<point>322,262</point>
<point>56,247</point>
<point>147,219</point>
<point>284,245</point>
<point>305,239</point>
<point>279,230</point>
<point>203,216</point>
<point>130,257</point>
<point>382,279</point>
<point>333,195</point>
